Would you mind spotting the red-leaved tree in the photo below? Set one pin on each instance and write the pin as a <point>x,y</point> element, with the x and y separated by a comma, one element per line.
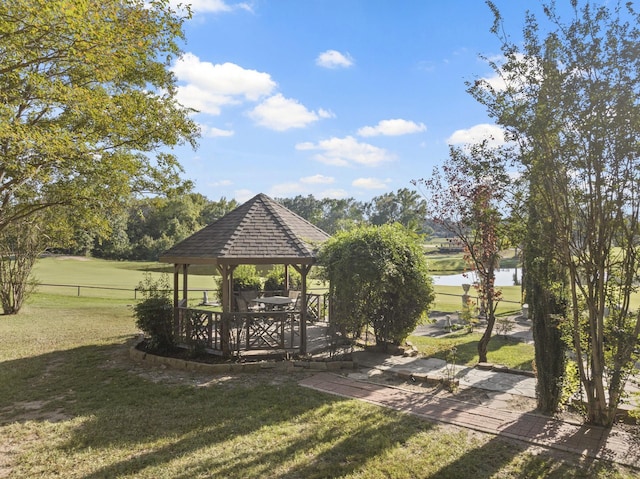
<point>467,197</point>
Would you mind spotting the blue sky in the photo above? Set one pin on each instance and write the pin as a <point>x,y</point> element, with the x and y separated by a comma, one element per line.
<point>334,98</point>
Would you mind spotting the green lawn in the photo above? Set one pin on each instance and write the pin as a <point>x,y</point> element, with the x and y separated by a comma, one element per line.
<point>505,351</point>
<point>125,275</point>
<point>72,405</point>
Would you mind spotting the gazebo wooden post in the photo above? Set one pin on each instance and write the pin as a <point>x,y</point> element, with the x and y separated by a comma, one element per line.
<point>226,272</point>
<point>185,283</point>
<point>176,299</point>
<point>286,279</point>
<point>303,270</point>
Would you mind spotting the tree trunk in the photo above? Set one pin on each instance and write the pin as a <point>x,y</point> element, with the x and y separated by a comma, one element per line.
<point>543,286</point>
<point>490,308</point>
<point>483,344</point>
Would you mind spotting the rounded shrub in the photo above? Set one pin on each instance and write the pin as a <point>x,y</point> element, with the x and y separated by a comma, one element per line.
<point>154,313</point>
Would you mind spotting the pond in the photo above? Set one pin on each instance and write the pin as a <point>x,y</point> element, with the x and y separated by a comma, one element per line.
<point>504,277</point>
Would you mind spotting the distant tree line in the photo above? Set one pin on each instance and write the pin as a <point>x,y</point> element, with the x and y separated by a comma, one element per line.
<point>149,226</point>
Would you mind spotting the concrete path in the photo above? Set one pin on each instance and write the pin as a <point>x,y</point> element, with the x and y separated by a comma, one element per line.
<point>467,377</point>
<point>617,444</point>
<point>613,444</point>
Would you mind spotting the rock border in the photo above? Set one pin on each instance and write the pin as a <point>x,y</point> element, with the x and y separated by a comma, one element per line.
<point>143,357</point>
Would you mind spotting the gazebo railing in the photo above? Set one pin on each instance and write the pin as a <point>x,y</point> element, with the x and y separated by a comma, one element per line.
<point>317,307</point>
<point>233,333</point>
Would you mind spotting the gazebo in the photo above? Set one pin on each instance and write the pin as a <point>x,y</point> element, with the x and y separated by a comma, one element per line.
<point>260,232</point>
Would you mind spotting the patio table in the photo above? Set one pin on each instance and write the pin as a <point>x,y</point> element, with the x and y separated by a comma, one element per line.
<point>274,302</point>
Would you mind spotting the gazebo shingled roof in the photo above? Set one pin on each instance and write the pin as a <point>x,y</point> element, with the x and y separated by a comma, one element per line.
<point>260,231</point>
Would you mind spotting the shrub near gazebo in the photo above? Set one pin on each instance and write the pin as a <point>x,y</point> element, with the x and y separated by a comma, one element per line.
<point>378,279</point>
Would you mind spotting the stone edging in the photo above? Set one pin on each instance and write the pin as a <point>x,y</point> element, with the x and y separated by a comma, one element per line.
<point>504,369</point>
<point>143,357</point>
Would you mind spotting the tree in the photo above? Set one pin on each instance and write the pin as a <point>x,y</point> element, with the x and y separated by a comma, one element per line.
<point>308,207</point>
<point>329,214</point>
<point>545,279</point>
<point>214,210</point>
<point>20,245</point>
<point>87,104</point>
<point>468,200</point>
<point>405,207</point>
<point>378,277</point>
<point>571,100</point>
<point>340,214</point>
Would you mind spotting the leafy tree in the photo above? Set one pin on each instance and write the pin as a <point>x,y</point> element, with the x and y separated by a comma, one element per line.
<point>87,104</point>
<point>20,245</point>
<point>340,214</point>
<point>214,210</point>
<point>308,207</point>
<point>545,279</point>
<point>331,215</point>
<point>571,100</point>
<point>405,207</point>
<point>275,280</point>
<point>378,277</point>
<point>468,200</point>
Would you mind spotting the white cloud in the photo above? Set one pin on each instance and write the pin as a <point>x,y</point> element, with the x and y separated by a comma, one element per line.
<point>334,59</point>
<point>484,131</point>
<point>204,101</point>
<point>393,127</point>
<point>284,190</point>
<point>317,179</point>
<point>528,68</point>
<point>211,6</point>
<point>346,151</point>
<point>496,82</point>
<point>220,183</point>
<point>243,195</point>
<point>209,87</point>
<point>213,132</point>
<point>322,113</point>
<point>370,183</point>
<point>280,114</point>
<point>305,145</point>
<point>334,193</point>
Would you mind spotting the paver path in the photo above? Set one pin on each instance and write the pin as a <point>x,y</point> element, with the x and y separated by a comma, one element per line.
<point>614,444</point>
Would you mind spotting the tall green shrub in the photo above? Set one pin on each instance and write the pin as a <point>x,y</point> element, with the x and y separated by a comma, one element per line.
<point>245,278</point>
<point>154,313</point>
<point>378,278</point>
<point>274,280</point>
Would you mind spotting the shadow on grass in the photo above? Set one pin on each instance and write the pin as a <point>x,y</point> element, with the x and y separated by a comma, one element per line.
<point>132,426</point>
<point>124,421</point>
<point>499,454</point>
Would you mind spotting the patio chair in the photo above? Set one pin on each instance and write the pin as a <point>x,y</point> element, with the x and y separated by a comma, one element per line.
<point>293,294</point>
<point>248,297</point>
<point>297,304</point>
<point>245,307</point>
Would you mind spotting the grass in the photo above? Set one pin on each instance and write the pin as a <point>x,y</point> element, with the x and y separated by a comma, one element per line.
<point>449,299</point>
<point>73,406</point>
<point>505,351</point>
<point>125,275</point>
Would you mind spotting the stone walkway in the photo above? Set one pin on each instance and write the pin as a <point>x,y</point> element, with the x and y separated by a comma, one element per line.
<point>420,369</point>
<point>615,444</point>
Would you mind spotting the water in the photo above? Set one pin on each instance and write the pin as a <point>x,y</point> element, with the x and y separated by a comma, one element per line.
<point>504,277</point>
